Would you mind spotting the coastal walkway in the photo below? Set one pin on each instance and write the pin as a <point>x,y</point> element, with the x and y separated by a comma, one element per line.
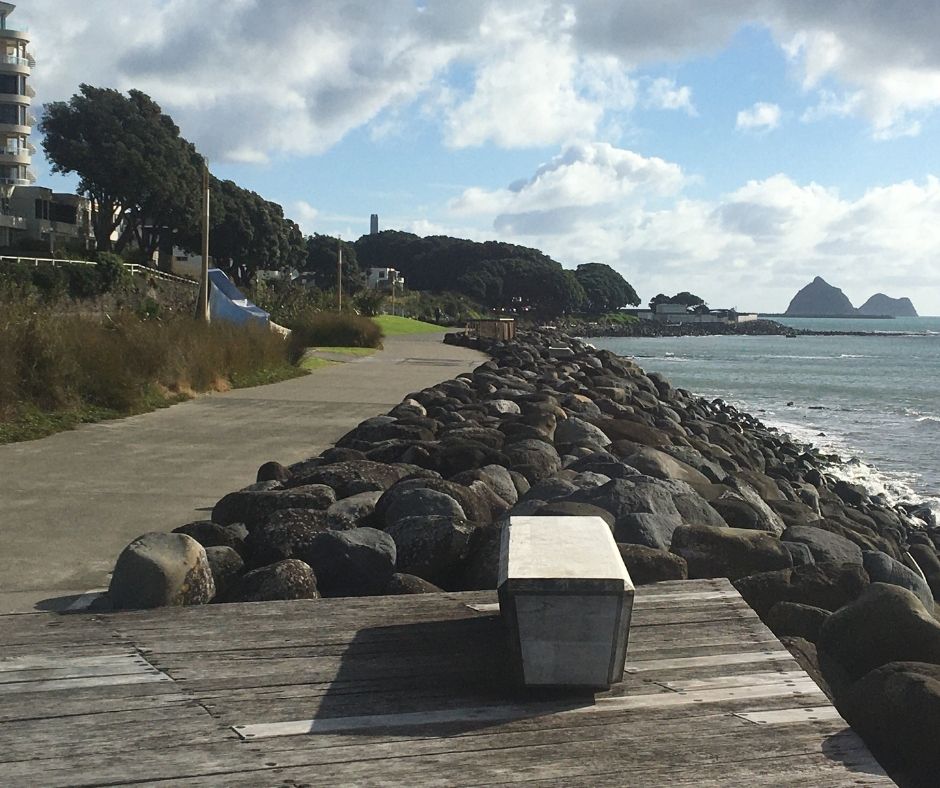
<point>408,690</point>
<point>69,503</point>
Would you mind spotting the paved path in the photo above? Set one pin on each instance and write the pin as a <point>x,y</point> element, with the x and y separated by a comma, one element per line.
<point>70,502</point>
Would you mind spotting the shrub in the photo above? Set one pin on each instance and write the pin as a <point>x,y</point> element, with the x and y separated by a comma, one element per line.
<point>369,302</point>
<point>111,271</point>
<point>347,329</point>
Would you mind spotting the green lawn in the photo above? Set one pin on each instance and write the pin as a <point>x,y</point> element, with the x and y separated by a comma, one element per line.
<point>346,351</point>
<point>392,325</point>
<point>312,362</point>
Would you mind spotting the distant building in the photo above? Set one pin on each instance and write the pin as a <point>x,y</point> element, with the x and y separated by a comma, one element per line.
<point>44,215</point>
<point>373,224</point>
<point>384,279</point>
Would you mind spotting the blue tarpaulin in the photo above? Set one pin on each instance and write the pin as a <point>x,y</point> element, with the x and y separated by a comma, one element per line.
<point>228,303</point>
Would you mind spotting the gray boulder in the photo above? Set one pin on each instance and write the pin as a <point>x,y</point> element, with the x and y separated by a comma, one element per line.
<point>896,709</point>
<point>824,545</point>
<point>829,586</point>
<point>409,584</point>
<point>210,534</point>
<point>353,511</point>
<point>799,552</point>
<point>534,459</point>
<point>160,569</point>
<point>288,579</point>
<point>421,502</point>
<point>792,619</point>
<point>284,535</point>
<point>650,565</point>
<point>579,432</point>
<point>660,465</point>
<point>885,624</point>
<point>650,530</point>
<point>883,568</point>
<point>253,506</point>
<point>226,566</point>
<point>431,547</point>
<point>353,476</point>
<point>357,562</point>
<point>728,552</point>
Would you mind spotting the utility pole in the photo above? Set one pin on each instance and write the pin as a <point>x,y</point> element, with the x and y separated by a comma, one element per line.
<point>203,307</point>
<point>339,274</point>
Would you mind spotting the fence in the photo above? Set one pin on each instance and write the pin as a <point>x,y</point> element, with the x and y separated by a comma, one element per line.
<point>134,269</point>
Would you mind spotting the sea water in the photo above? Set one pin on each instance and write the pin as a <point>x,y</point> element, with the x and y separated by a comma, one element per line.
<point>872,399</point>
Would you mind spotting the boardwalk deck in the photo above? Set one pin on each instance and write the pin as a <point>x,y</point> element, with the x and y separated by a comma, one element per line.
<point>393,690</point>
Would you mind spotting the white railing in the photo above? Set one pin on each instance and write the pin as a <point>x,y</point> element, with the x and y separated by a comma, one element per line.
<point>135,269</point>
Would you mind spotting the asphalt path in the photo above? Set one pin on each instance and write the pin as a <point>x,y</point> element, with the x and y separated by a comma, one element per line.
<point>70,502</point>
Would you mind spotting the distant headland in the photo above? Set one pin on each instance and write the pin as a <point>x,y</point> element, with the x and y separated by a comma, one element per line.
<point>820,299</point>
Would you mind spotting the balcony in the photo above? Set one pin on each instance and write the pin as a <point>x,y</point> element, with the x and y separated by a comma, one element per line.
<point>17,181</point>
<point>21,156</point>
<point>13,222</point>
<point>16,98</point>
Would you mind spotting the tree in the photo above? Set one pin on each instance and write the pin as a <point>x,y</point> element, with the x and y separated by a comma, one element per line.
<point>687,298</point>
<point>132,163</point>
<point>605,290</point>
<point>659,298</point>
<point>321,260</point>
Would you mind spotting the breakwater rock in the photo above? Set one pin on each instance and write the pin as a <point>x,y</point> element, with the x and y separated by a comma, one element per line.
<point>653,328</point>
<point>412,501</point>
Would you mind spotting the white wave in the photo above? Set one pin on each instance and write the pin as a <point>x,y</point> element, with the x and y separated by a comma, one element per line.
<point>853,355</point>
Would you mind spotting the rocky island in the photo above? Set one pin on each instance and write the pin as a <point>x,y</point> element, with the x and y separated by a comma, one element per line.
<point>413,501</point>
<point>820,299</point>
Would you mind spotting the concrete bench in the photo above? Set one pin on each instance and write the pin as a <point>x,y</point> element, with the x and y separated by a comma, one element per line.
<point>566,597</point>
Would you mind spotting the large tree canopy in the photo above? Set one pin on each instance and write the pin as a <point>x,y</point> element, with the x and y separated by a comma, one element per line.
<point>498,275</point>
<point>145,180</point>
<point>685,298</point>
<point>321,260</point>
<point>134,166</point>
<point>605,290</point>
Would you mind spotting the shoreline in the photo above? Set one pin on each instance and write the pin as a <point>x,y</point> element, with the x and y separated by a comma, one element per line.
<point>649,329</point>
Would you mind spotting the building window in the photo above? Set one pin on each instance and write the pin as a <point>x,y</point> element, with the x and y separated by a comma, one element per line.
<point>42,209</point>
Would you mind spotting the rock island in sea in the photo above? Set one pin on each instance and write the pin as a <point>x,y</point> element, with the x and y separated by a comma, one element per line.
<point>412,502</point>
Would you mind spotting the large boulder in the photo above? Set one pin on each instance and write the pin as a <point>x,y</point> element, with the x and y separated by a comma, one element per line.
<point>352,512</point>
<point>159,569</point>
<point>622,429</point>
<point>431,547</point>
<point>288,579</point>
<point>253,506</point>
<point>480,569</point>
<point>409,584</point>
<point>226,566</point>
<point>883,568</point>
<point>352,476</point>
<point>622,497</point>
<point>496,477</point>
<point>210,534</point>
<point>896,710</point>
<point>650,530</point>
<point>534,459</point>
<point>829,586</point>
<point>357,562</point>
<point>649,565</point>
<point>421,502</point>
<point>728,552</point>
<point>885,624</point>
<point>791,619</point>
<point>825,546</point>
<point>283,535</point>
<point>579,432</point>
<point>663,466</point>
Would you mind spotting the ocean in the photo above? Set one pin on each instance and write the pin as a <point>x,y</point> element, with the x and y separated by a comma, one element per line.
<point>874,400</point>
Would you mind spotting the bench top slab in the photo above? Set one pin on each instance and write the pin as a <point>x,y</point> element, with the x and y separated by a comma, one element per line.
<point>561,549</point>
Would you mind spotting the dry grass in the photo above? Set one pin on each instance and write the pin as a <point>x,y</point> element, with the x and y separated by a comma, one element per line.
<point>51,363</point>
<point>347,329</point>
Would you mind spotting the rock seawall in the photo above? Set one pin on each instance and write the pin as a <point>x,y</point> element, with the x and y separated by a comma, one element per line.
<point>412,501</point>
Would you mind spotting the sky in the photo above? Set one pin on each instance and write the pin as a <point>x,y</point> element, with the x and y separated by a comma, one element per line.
<point>734,148</point>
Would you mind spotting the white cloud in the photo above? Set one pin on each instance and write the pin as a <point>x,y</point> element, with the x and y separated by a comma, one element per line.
<point>762,117</point>
<point>663,93</point>
<point>305,215</point>
<point>753,247</point>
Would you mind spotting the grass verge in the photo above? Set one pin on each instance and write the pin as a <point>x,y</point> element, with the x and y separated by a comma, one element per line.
<point>393,325</point>
<point>311,363</point>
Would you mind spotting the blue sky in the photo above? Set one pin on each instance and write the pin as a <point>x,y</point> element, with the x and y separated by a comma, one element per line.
<point>736,151</point>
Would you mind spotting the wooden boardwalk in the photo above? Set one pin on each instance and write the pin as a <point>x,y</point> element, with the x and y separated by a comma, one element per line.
<point>408,690</point>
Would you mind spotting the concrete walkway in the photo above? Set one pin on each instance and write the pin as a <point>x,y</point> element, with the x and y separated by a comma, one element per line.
<point>70,502</point>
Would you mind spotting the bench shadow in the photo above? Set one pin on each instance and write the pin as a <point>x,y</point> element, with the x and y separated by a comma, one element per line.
<point>436,678</point>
